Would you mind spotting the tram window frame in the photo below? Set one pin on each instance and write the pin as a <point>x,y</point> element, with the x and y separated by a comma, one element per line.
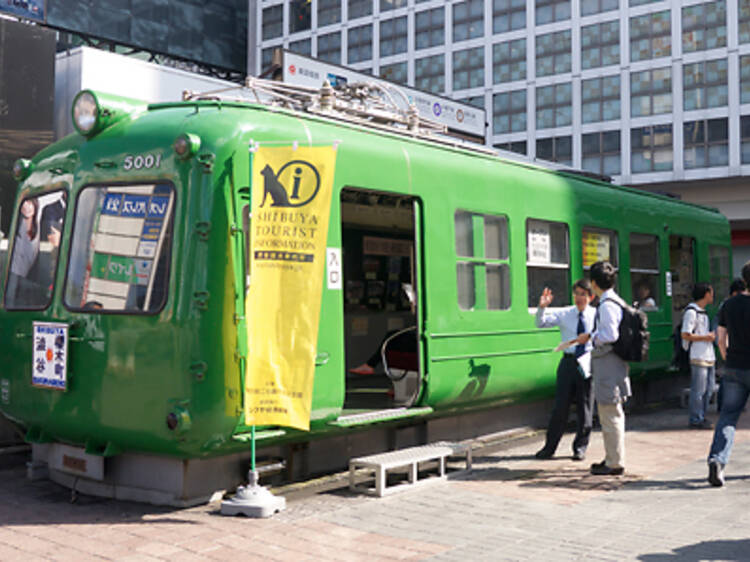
<point>162,260</point>
<point>720,279</point>
<point>35,267</point>
<point>645,273</point>
<point>561,288</point>
<point>482,260</point>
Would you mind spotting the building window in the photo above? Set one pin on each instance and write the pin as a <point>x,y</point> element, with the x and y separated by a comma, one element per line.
<point>554,107</point>
<point>393,34</point>
<point>429,28</point>
<point>651,149</point>
<point>476,101</point>
<point>517,146</point>
<point>360,43</point>
<point>547,260</point>
<point>508,15</point>
<point>509,61</point>
<point>589,7</point>
<point>744,23</point>
<point>303,47</point>
<point>556,149</point>
<point>329,48</point>
<point>329,11</point>
<point>745,79</point>
<point>359,8</point>
<point>553,53</point>
<point>600,44</point>
<point>468,20</point>
<point>650,36</point>
<point>651,92</point>
<point>704,26</point>
<point>644,270</point>
<point>548,11</point>
<point>273,18</point>
<point>706,143</point>
<point>704,84</point>
<point>482,254</point>
<point>266,57</point>
<point>601,152</point>
<point>468,68</point>
<point>397,72</point>
<point>641,2</point>
<point>509,112</point>
<point>745,138</point>
<point>387,5</point>
<point>429,74</point>
<point>299,15</point>
<point>600,99</point>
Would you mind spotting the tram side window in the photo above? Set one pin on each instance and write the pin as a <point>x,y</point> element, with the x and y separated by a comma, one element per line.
<point>36,248</point>
<point>121,247</point>
<point>547,260</point>
<point>483,266</point>
<point>720,271</point>
<point>644,270</point>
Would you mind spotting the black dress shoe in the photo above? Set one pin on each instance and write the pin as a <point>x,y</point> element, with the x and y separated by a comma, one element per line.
<point>598,465</point>
<point>604,470</point>
<point>544,454</point>
<point>578,455</point>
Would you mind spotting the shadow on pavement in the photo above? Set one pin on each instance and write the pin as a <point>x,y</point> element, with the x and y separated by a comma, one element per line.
<point>706,550</point>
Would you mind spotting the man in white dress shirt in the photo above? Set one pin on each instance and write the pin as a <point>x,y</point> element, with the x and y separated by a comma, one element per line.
<point>573,378</point>
<point>609,372</point>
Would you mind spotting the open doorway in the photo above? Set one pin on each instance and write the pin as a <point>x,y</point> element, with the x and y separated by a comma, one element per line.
<point>380,300</point>
<point>682,269</point>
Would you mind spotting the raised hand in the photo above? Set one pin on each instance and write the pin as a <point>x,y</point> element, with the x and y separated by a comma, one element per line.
<point>546,299</point>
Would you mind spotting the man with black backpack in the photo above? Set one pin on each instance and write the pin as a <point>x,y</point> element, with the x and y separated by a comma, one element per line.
<point>699,342</point>
<point>733,337</point>
<point>609,371</point>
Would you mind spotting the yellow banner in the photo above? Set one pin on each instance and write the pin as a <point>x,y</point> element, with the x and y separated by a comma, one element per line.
<point>595,248</point>
<point>291,198</point>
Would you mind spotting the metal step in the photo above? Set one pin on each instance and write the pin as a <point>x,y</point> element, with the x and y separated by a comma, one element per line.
<point>380,416</point>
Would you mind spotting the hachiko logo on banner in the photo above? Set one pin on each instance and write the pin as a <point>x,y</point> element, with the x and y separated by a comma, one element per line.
<point>291,198</point>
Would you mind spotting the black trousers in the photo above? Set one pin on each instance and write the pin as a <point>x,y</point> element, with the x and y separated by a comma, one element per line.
<point>571,386</point>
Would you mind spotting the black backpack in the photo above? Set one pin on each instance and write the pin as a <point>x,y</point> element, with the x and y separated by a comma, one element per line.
<point>632,344</point>
<point>680,355</point>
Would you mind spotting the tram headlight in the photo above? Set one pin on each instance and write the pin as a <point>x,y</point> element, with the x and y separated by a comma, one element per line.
<point>186,145</point>
<point>94,111</point>
<point>85,112</point>
<point>21,169</point>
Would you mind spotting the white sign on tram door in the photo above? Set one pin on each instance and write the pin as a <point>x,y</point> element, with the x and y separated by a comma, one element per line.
<point>461,117</point>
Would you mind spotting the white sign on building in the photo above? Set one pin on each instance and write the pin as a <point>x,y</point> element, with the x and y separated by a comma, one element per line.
<point>461,117</point>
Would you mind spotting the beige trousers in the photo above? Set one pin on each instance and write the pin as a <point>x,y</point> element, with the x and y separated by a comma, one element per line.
<point>612,419</point>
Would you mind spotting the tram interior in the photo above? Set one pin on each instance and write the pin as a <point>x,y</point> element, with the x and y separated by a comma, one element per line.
<point>682,268</point>
<point>378,261</point>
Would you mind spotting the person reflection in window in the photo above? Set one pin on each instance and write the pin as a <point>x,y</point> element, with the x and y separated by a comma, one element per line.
<point>645,300</point>
<point>26,245</point>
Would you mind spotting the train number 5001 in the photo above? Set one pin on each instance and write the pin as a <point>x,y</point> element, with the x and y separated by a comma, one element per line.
<point>141,161</point>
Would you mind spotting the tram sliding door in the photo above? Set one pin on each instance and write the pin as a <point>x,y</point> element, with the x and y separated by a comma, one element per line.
<point>682,269</point>
<point>380,259</point>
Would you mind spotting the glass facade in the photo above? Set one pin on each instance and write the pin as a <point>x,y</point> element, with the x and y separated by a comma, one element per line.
<point>539,67</point>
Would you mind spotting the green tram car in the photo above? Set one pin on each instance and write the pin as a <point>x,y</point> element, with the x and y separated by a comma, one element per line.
<point>156,350</point>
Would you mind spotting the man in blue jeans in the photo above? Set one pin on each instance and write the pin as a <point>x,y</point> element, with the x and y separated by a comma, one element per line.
<point>734,346</point>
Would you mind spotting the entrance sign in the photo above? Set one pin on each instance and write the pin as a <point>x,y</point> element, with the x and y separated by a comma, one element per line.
<point>49,366</point>
<point>291,197</point>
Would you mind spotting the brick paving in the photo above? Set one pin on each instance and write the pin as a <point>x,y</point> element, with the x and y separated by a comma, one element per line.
<point>510,507</point>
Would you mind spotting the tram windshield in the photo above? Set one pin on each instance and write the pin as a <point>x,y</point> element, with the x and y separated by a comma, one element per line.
<point>36,247</point>
<point>119,256</point>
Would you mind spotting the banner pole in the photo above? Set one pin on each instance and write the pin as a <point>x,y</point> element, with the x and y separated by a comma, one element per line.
<point>252,448</point>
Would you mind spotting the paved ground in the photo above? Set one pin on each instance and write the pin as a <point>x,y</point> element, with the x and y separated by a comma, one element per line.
<point>511,507</point>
